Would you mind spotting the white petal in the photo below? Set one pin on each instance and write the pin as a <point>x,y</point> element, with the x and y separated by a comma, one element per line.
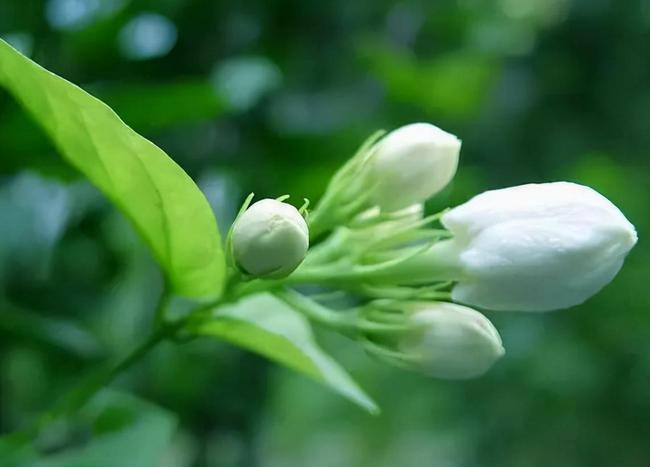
<point>542,264</point>
<point>559,200</point>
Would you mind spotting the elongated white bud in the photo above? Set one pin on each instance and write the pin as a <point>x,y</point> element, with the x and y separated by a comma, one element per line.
<point>456,342</point>
<point>445,341</point>
<point>412,164</point>
<point>270,239</point>
<point>537,247</point>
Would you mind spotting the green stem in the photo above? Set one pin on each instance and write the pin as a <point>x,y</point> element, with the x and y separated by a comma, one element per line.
<point>77,398</point>
<point>164,329</point>
<point>349,322</point>
<point>346,195</point>
<point>81,394</point>
<point>416,266</point>
<point>322,218</point>
<point>161,307</point>
<point>339,321</point>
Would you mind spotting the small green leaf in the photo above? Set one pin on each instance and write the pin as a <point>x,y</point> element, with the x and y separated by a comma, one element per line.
<point>269,327</point>
<point>126,432</point>
<point>159,198</point>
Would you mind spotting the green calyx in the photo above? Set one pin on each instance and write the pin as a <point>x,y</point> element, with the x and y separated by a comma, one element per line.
<point>347,194</point>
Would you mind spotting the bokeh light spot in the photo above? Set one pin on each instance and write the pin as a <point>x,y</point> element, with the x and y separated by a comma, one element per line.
<point>243,81</point>
<point>76,14</point>
<point>146,36</point>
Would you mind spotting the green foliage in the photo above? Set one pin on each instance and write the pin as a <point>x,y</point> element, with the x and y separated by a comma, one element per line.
<point>452,85</point>
<point>124,431</point>
<point>166,207</point>
<point>170,212</point>
<point>149,107</point>
<point>538,91</point>
<point>127,432</point>
<point>156,106</point>
<point>267,326</point>
<point>63,334</point>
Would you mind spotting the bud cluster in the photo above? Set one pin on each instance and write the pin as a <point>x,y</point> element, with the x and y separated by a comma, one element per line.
<point>536,247</point>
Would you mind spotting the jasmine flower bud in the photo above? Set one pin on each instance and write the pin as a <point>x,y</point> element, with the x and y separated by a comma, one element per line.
<point>270,239</point>
<point>412,164</point>
<point>536,247</point>
<point>446,341</point>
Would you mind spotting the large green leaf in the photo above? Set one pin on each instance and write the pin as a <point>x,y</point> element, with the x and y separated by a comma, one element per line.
<point>268,326</point>
<point>161,200</point>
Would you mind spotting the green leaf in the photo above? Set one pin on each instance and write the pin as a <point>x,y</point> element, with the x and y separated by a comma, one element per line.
<point>159,198</point>
<point>269,327</point>
<point>14,455</point>
<point>148,107</point>
<point>453,85</point>
<point>125,431</point>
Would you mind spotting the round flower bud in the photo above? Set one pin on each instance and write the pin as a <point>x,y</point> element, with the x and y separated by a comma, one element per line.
<point>450,341</point>
<point>536,247</point>
<point>270,239</point>
<point>412,164</point>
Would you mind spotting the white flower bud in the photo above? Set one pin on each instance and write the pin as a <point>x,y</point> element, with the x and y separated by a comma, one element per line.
<point>270,239</point>
<point>451,341</point>
<point>412,164</point>
<point>536,247</point>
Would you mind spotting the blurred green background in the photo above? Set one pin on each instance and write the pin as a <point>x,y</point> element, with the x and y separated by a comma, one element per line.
<point>271,97</point>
